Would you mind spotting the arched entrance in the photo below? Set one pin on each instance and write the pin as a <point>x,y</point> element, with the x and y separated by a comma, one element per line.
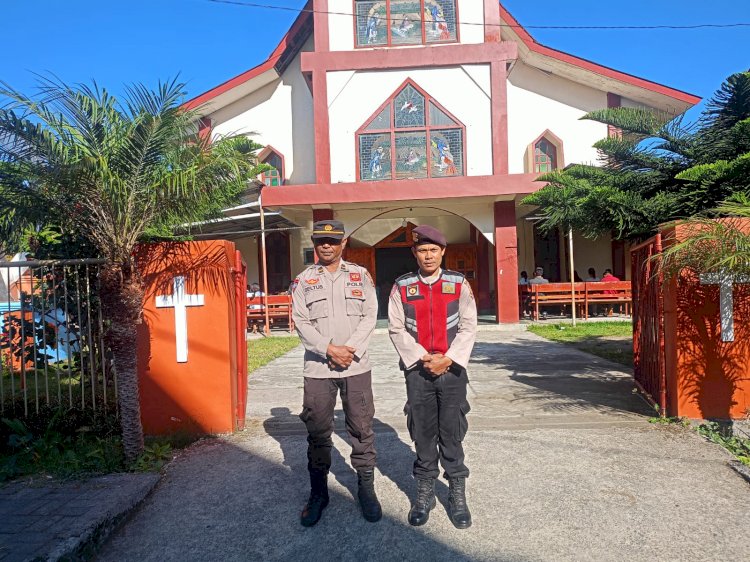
<point>391,257</point>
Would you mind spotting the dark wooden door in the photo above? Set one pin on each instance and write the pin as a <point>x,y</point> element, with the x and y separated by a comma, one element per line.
<point>547,254</point>
<point>463,258</point>
<point>277,258</point>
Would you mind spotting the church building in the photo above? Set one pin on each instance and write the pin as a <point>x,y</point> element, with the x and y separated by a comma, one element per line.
<point>387,114</point>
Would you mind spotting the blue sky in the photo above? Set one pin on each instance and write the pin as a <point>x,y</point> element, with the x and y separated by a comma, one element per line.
<point>118,42</point>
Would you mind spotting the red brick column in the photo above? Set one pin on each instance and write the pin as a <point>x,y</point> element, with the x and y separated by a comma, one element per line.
<point>506,271</point>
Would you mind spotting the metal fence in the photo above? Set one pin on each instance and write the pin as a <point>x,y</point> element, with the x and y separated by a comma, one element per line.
<point>649,360</point>
<point>52,350</point>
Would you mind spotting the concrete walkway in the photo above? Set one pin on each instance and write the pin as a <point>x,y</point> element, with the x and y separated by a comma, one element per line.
<point>565,466</point>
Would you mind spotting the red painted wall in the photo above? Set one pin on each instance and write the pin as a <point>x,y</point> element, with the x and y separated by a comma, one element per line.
<point>706,377</point>
<point>207,393</point>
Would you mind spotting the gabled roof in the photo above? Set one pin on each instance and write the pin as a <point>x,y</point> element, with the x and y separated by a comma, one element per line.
<point>535,53</point>
<point>532,52</point>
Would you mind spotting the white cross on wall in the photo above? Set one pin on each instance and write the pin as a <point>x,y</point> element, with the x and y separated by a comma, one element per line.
<point>726,282</point>
<point>180,301</point>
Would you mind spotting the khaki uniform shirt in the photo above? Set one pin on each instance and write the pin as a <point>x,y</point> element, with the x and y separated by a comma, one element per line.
<point>339,308</point>
<point>410,351</point>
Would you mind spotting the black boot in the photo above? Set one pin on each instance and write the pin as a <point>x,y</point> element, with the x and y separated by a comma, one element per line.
<point>420,511</point>
<point>458,511</point>
<point>318,498</point>
<point>368,501</point>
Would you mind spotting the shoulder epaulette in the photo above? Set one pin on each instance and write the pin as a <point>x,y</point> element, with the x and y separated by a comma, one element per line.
<point>407,279</point>
<point>453,276</point>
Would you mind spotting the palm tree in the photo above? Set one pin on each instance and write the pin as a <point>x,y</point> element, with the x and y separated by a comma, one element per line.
<point>116,172</point>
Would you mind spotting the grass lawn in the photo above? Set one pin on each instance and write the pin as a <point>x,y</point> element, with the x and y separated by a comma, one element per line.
<point>611,340</point>
<point>265,350</point>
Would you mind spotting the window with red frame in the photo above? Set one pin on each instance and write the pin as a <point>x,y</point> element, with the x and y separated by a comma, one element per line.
<point>274,176</point>
<point>410,136</point>
<point>545,156</point>
<point>405,22</point>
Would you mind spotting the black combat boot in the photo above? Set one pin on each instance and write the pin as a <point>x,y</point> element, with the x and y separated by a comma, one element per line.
<point>318,498</point>
<point>368,501</point>
<point>458,511</point>
<point>420,511</point>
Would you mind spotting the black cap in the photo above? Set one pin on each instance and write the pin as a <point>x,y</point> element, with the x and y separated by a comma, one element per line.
<point>426,234</point>
<point>328,229</point>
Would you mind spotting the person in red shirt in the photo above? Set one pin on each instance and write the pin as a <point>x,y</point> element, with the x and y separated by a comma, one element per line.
<point>609,278</point>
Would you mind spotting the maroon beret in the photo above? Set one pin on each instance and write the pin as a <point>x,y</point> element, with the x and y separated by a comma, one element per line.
<point>426,234</point>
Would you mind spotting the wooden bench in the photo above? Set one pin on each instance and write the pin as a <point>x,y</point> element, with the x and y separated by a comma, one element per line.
<point>279,309</point>
<point>616,292</point>
<point>547,294</point>
<point>586,293</point>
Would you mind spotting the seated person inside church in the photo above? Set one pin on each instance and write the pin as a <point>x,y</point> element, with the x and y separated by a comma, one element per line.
<point>538,277</point>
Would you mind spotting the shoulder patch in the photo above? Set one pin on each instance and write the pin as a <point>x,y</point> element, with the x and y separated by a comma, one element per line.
<point>453,276</point>
<point>407,279</point>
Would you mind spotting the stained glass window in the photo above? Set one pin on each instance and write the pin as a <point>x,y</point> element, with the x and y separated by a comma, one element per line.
<point>375,157</point>
<point>410,136</point>
<point>273,177</point>
<point>545,156</point>
<point>405,22</point>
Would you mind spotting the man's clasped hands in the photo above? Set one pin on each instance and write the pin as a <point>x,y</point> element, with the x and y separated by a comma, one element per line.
<point>341,356</point>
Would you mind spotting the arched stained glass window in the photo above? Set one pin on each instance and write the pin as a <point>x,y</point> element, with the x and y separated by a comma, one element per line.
<point>545,156</point>
<point>410,136</point>
<point>405,22</point>
<point>274,176</point>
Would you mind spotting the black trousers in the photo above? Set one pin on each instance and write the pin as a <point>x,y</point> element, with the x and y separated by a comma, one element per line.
<point>436,417</point>
<point>317,412</point>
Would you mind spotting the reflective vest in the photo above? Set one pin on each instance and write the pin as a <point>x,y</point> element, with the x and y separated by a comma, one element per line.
<point>431,311</point>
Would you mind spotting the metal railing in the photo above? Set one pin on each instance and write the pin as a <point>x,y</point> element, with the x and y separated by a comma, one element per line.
<point>52,348</point>
<point>649,360</point>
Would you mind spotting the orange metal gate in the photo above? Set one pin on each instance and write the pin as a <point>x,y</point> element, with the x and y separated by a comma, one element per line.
<point>649,360</point>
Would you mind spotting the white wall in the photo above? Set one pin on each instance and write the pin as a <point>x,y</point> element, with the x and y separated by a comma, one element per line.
<point>281,115</point>
<point>341,32</point>
<point>354,96</point>
<point>538,101</point>
<point>248,247</point>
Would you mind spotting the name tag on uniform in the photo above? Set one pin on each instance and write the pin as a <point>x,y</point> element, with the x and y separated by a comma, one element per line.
<point>449,288</point>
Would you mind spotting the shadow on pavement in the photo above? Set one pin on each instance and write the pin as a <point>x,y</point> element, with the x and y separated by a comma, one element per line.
<point>557,381</point>
<point>228,499</point>
<point>400,473</point>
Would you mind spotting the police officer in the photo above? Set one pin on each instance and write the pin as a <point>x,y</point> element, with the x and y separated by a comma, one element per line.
<point>335,309</point>
<point>432,323</point>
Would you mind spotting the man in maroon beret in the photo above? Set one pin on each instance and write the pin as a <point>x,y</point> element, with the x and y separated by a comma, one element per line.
<point>432,323</point>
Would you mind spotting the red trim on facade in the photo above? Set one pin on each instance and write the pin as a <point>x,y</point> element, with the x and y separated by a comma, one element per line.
<point>418,57</point>
<point>320,26</point>
<point>506,256</point>
<point>205,125</point>
<point>499,113</point>
<point>491,22</point>
<point>287,41</point>
<point>613,100</point>
<point>390,58</point>
<point>322,215</point>
<point>321,128</point>
<point>399,190</point>
<point>532,44</point>
<point>392,130</point>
